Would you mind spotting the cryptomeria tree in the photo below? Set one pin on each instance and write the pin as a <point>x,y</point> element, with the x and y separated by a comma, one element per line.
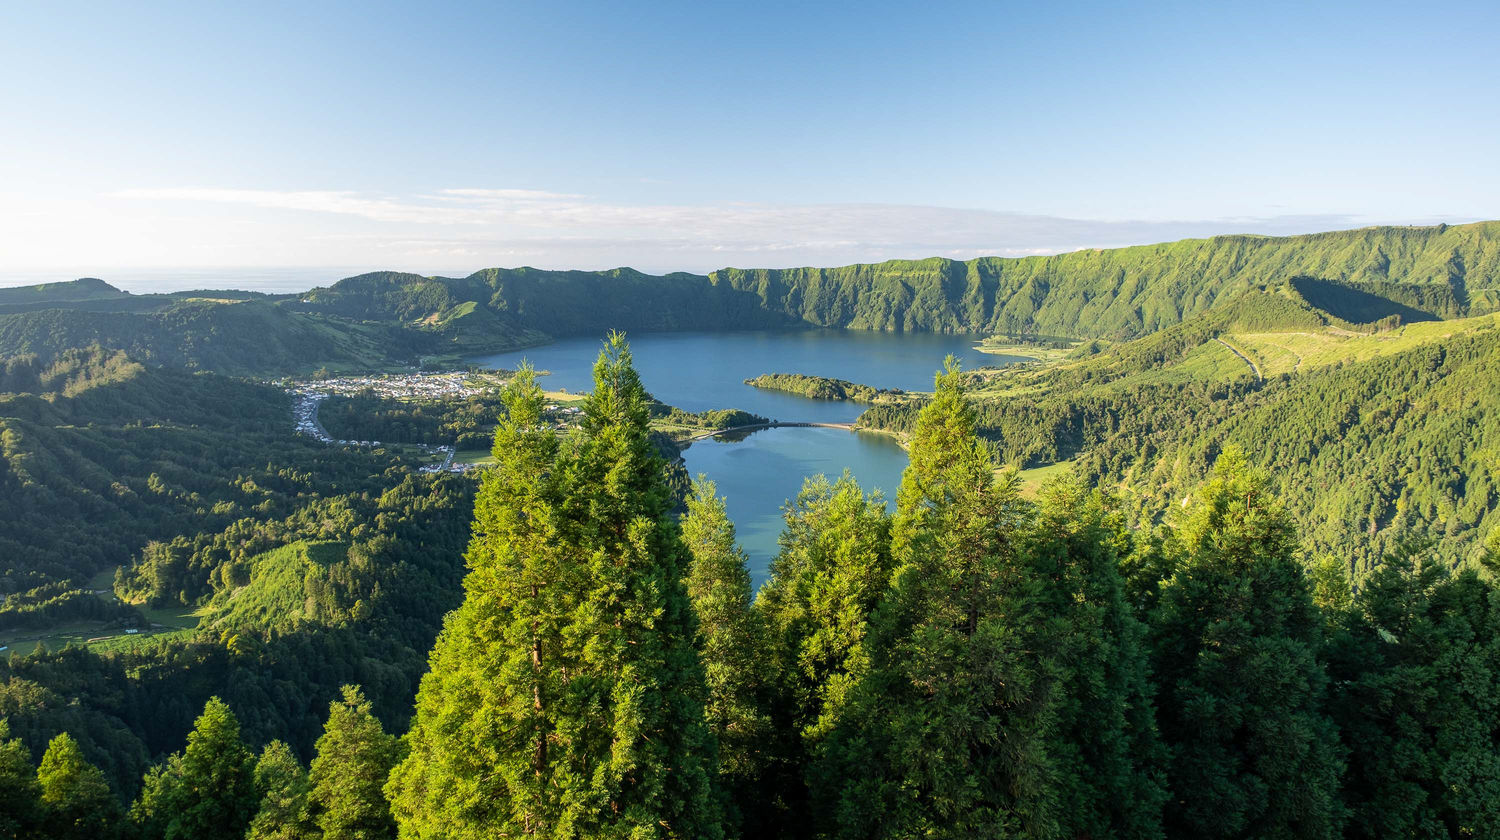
<point>1418,701</point>
<point>638,759</point>
<point>479,762</point>
<point>1110,762</point>
<point>76,801</point>
<point>947,734</point>
<point>205,792</point>
<point>282,784</point>
<point>354,758</point>
<point>730,644</point>
<point>565,697</point>
<point>20,796</point>
<point>1236,639</point>
<point>827,578</point>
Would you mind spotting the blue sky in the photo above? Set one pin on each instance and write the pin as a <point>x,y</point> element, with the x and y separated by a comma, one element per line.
<point>448,137</point>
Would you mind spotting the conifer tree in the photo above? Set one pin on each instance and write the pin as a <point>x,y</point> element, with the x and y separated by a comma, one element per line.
<point>1110,761</point>
<point>948,733</point>
<point>205,792</point>
<point>640,762</point>
<point>833,566</point>
<point>283,788</point>
<point>831,570</point>
<point>1417,677</point>
<point>480,744</point>
<point>565,697</point>
<point>20,795</point>
<point>354,758</point>
<point>730,643</point>
<point>76,801</point>
<point>1240,688</point>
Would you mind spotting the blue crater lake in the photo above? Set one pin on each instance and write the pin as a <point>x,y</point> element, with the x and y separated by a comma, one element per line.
<point>759,472</point>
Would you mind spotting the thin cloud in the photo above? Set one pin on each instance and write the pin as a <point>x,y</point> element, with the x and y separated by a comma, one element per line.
<point>481,226</point>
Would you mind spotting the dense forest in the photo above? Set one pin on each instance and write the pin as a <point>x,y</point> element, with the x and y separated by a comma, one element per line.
<point>975,663</point>
<point>1367,453</point>
<point>1222,566</point>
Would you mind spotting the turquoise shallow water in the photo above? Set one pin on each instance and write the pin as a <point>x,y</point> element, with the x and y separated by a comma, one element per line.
<point>756,475</point>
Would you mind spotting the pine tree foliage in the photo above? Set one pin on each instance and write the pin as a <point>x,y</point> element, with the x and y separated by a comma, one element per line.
<point>76,801</point>
<point>948,733</point>
<point>1417,677</point>
<point>1111,763</point>
<point>814,609</point>
<point>565,697</point>
<point>1236,639</point>
<point>479,743</point>
<point>355,756</point>
<point>729,642</point>
<point>832,568</point>
<point>282,784</point>
<point>20,795</point>
<point>205,792</point>
<point>638,754</point>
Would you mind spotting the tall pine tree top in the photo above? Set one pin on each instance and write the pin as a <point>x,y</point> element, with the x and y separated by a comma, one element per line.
<point>947,733</point>
<point>77,803</point>
<point>354,758</point>
<point>1236,644</point>
<point>207,791</point>
<point>565,697</point>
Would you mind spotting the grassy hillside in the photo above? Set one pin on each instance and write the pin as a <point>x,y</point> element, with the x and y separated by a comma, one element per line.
<point>1373,438</point>
<point>86,288</point>
<point>240,337</point>
<point>276,594</point>
<point>1376,276</point>
<point>1352,278</point>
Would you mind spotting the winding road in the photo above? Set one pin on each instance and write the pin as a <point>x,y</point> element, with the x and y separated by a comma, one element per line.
<point>1246,359</point>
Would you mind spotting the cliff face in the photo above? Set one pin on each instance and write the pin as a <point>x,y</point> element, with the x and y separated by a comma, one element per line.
<point>1128,292</point>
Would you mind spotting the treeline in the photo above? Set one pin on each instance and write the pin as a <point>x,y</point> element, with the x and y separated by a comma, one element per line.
<point>215,787</point>
<point>974,664</point>
<point>821,387</point>
<point>54,603</point>
<point>1366,455</point>
<point>714,418</point>
<point>251,337</point>
<point>70,374</point>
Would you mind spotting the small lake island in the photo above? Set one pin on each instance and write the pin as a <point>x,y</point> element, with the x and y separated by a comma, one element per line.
<point>824,388</point>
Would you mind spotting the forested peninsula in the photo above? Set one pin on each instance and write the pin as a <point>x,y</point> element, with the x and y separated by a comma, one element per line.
<point>821,387</point>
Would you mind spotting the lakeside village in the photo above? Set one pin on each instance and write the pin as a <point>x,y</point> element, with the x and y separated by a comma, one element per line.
<point>308,395</point>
